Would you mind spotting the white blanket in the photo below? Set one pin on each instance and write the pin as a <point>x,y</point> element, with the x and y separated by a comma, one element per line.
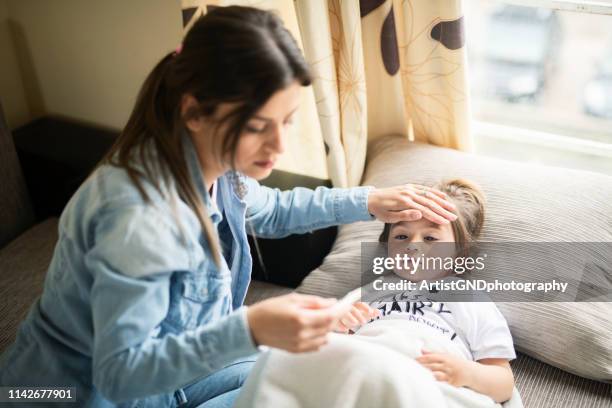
<point>374,368</point>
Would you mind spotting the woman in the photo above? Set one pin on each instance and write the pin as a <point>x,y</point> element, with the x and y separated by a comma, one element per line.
<point>142,304</point>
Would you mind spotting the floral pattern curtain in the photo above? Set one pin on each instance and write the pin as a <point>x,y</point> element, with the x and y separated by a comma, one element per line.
<point>380,67</point>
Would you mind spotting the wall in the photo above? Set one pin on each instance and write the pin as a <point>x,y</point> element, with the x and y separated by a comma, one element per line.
<point>87,59</point>
<point>12,93</point>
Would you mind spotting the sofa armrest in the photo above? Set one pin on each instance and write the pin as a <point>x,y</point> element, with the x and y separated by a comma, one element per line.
<point>56,156</point>
<point>289,260</point>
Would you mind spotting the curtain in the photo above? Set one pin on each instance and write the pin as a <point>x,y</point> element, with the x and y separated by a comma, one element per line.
<point>380,67</point>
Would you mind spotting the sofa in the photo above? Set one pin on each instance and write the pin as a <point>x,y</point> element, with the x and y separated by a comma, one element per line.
<point>29,234</point>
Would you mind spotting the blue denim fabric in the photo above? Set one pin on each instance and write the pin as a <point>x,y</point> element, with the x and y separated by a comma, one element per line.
<point>218,390</point>
<point>133,307</point>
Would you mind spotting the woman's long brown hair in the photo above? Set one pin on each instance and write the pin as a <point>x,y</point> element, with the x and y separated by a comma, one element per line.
<point>232,54</point>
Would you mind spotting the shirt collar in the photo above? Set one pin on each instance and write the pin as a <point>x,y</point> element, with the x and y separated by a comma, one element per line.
<point>197,177</point>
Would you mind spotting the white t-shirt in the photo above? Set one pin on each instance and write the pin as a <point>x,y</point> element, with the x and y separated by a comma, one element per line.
<point>477,328</point>
<point>213,196</point>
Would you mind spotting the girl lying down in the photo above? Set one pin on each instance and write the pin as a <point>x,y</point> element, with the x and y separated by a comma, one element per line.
<point>407,350</point>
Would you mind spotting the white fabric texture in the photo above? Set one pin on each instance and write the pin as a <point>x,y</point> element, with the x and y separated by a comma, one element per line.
<point>375,368</point>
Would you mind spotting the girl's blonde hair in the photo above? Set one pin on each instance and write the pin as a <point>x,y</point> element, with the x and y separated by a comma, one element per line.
<point>470,202</point>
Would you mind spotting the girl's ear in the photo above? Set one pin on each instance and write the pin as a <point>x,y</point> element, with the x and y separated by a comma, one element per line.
<point>190,112</point>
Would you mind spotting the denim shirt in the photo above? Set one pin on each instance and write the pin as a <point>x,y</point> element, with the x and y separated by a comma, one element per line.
<point>134,308</point>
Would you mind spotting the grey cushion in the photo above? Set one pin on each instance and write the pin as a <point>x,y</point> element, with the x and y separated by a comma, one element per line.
<point>15,211</point>
<point>23,265</point>
<point>525,203</point>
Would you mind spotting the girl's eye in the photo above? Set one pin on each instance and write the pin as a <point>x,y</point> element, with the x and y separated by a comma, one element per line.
<point>401,237</point>
<point>430,238</point>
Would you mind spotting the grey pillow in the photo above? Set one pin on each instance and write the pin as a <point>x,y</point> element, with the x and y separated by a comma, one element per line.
<point>525,202</point>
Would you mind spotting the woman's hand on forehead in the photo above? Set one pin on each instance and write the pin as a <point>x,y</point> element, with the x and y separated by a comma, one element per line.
<point>410,202</point>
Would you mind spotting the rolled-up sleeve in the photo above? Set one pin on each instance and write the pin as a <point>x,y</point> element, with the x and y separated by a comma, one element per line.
<point>275,214</point>
<point>132,261</point>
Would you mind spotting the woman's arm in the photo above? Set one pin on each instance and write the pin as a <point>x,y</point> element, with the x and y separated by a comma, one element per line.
<point>489,376</point>
<point>276,214</point>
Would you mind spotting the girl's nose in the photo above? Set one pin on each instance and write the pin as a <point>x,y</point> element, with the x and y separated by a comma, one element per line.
<point>412,247</point>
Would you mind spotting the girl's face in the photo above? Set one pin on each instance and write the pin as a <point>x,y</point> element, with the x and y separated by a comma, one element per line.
<point>263,139</point>
<point>421,239</point>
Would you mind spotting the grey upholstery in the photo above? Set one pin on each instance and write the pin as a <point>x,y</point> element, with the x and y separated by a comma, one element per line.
<point>544,386</point>
<point>15,210</point>
<point>23,264</point>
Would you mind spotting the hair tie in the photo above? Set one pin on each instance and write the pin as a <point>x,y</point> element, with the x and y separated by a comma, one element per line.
<point>178,49</point>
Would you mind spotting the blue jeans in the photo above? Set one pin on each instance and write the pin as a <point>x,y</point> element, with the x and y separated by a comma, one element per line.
<point>218,390</point>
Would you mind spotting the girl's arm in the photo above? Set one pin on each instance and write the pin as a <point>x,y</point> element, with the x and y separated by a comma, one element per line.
<point>488,376</point>
<point>492,377</point>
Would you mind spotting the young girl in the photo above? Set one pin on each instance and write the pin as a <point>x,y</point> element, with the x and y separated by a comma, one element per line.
<point>142,303</point>
<point>477,329</point>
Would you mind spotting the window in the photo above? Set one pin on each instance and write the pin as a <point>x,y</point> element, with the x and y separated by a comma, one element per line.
<point>541,81</point>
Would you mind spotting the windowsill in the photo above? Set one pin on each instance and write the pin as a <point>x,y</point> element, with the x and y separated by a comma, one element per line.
<point>532,146</point>
<point>580,6</point>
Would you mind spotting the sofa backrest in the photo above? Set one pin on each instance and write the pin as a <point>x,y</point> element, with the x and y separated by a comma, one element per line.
<point>16,213</point>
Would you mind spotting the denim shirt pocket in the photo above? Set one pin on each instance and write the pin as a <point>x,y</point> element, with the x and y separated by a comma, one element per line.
<point>198,288</point>
<point>205,296</point>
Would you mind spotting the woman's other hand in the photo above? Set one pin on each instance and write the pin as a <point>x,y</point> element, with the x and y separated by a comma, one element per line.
<point>294,322</point>
<point>410,202</point>
<point>359,314</point>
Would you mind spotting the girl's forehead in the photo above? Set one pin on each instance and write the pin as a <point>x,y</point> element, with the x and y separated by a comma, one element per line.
<point>419,224</point>
<point>423,225</point>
